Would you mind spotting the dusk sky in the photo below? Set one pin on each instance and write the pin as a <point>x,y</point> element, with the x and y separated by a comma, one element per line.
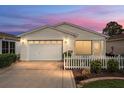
<point>18,19</point>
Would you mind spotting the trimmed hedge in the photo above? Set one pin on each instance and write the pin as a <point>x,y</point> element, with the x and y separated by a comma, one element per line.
<point>96,66</point>
<point>7,59</point>
<point>112,65</point>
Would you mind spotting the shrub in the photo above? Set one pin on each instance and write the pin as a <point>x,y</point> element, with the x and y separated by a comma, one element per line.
<point>96,66</point>
<point>121,71</point>
<point>77,74</point>
<point>112,65</point>
<point>67,53</point>
<point>86,73</point>
<point>122,55</point>
<point>7,59</point>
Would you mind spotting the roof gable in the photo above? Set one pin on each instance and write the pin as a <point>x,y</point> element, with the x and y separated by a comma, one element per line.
<point>81,28</point>
<point>44,27</point>
<point>60,30</point>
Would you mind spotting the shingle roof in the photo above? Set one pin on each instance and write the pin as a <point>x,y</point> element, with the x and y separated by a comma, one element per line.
<point>7,36</point>
<point>117,37</point>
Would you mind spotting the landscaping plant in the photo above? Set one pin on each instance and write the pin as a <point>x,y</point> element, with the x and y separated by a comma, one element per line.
<point>96,66</point>
<point>7,59</point>
<point>112,65</point>
<point>67,53</point>
<point>86,73</point>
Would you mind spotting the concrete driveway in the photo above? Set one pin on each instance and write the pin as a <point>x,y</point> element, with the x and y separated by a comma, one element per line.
<point>37,75</point>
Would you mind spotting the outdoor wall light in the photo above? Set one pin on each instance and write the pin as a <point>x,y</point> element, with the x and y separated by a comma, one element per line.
<point>66,41</point>
<point>23,41</point>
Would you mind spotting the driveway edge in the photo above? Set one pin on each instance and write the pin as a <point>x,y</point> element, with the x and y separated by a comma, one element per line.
<point>72,78</point>
<point>3,70</point>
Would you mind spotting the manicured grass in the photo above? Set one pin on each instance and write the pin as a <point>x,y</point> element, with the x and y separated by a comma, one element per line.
<point>105,84</point>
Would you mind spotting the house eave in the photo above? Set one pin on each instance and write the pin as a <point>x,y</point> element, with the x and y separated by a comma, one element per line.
<point>5,36</point>
<point>119,39</point>
<point>44,27</point>
<point>34,30</point>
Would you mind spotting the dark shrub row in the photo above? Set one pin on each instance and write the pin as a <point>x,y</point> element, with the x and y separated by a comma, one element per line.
<point>112,66</point>
<point>7,59</point>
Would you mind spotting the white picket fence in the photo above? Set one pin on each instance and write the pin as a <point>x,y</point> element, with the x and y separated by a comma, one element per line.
<point>79,62</point>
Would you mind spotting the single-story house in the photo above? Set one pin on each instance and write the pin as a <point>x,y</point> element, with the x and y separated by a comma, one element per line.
<point>50,42</point>
<point>117,42</point>
<point>8,43</point>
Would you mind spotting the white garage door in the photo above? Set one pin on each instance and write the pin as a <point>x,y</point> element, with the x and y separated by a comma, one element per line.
<point>45,50</point>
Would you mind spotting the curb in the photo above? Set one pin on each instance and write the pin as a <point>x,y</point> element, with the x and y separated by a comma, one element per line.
<point>100,78</point>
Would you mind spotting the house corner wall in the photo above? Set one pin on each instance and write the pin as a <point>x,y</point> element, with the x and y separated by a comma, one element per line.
<point>23,52</point>
<point>0,46</point>
<point>17,49</point>
<point>23,49</point>
<point>69,45</point>
<point>103,43</point>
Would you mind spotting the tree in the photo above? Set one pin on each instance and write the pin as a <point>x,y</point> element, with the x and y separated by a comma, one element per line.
<point>113,28</point>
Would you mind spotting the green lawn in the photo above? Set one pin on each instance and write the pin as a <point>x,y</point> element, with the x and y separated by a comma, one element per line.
<point>105,84</point>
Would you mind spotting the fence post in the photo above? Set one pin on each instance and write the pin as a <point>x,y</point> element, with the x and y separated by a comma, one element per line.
<point>122,60</point>
<point>81,62</point>
<point>68,60</point>
<point>105,60</point>
<point>64,61</point>
<point>119,60</point>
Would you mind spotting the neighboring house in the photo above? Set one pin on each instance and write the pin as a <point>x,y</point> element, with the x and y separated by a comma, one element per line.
<point>50,42</point>
<point>117,42</point>
<point>8,43</point>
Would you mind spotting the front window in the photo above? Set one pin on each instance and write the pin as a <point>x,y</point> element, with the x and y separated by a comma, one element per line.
<point>83,47</point>
<point>96,47</point>
<point>12,47</point>
<point>5,46</point>
<point>8,47</point>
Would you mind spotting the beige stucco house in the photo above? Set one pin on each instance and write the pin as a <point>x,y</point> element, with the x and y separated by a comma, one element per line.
<point>117,42</point>
<point>50,42</point>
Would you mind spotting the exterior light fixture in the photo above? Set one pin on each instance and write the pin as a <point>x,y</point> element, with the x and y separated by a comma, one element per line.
<point>23,41</point>
<point>66,41</point>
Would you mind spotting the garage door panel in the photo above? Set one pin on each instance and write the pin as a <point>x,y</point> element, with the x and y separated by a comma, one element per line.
<point>45,52</point>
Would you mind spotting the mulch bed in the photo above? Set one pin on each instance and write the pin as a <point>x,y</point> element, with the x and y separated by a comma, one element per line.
<point>78,76</point>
